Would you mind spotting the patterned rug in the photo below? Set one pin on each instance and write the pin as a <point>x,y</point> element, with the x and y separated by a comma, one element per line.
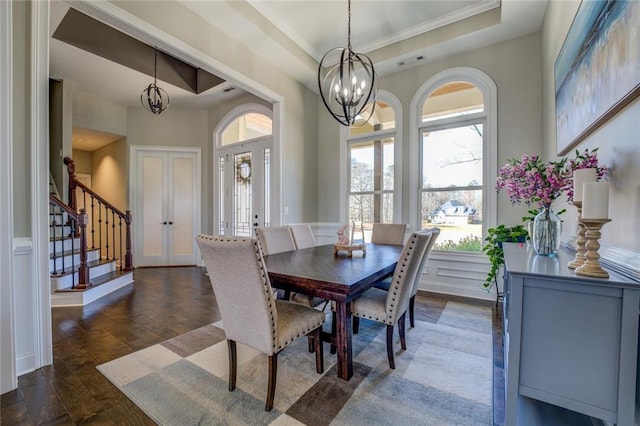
<point>443,378</point>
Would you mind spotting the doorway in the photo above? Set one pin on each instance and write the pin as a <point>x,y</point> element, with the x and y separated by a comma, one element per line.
<point>244,195</point>
<point>166,203</point>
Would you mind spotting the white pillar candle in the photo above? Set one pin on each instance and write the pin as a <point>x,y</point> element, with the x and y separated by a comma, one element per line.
<point>581,176</point>
<point>595,200</point>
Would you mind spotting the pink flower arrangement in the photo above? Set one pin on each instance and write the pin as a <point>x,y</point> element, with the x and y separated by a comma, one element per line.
<point>586,160</point>
<point>530,181</point>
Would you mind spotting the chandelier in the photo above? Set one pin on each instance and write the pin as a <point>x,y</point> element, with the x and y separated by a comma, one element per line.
<point>347,83</point>
<point>153,98</point>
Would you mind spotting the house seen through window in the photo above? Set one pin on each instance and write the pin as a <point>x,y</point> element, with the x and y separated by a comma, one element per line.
<point>451,165</point>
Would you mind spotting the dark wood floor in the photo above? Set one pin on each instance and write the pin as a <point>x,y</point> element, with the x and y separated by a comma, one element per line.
<point>163,303</point>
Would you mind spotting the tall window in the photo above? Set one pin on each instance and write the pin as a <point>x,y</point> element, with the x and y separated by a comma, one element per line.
<point>372,173</point>
<point>453,163</point>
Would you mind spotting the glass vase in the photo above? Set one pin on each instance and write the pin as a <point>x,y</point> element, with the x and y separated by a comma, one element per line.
<point>547,229</point>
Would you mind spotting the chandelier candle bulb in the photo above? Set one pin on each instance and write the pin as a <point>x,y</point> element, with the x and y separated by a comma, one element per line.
<point>595,201</point>
<point>580,176</point>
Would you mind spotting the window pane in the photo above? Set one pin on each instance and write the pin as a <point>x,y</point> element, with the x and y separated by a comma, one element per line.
<point>452,157</point>
<point>387,208</point>
<point>362,167</point>
<point>383,118</point>
<point>451,100</point>
<point>243,194</point>
<point>245,127</point>
<point>221,197</point>
<point>459,216</point>
<point>361,210</point>
<point>388,164</point>
<point>267,187</point>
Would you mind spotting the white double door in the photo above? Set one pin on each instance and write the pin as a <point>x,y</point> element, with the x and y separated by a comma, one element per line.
<point>166,215</point>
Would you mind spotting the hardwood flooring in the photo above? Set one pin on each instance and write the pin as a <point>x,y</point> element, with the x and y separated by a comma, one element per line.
<point>161,304</point>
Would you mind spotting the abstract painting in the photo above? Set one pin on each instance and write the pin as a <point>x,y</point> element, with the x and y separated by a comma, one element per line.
<point>597,72</point>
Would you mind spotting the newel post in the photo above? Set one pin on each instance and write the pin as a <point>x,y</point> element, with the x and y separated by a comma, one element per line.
<point>71,171</point>
<point>83,270</point>
<point>128,256</point>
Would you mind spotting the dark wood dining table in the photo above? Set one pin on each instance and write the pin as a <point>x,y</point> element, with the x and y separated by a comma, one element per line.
<point>316,271</point>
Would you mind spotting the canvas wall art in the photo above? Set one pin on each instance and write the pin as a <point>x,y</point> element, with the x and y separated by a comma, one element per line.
<point>597,72</point>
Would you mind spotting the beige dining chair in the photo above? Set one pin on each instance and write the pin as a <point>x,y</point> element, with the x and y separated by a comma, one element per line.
<point>303,238</point>
<point>302,235</point>
<point>275,239</point>
<point>250,314</point>
<point>388,233</point>
<point>384,285</point>
<point>389,307</point>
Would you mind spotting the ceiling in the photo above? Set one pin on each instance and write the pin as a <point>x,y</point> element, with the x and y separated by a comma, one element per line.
<point>295,34</point>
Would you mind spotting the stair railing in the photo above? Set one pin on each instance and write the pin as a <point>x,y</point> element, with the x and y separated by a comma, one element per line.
<point>63,217</point>
<point>104,219</point>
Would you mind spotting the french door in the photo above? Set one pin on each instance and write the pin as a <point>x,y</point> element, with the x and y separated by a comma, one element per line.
<point>166,206</point>
<point>243,187</point>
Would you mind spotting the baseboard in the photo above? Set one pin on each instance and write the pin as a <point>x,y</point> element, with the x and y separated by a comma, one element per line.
<point>25,363</point>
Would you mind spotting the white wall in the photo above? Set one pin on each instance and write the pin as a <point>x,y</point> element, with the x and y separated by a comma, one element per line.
<point>617,141</point>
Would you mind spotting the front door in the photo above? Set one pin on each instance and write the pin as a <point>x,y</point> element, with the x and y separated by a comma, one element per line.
<point>166,207</point>
<point>244,176</point>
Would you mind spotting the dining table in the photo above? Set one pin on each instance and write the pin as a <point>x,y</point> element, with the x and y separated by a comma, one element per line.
<point>338,277</point>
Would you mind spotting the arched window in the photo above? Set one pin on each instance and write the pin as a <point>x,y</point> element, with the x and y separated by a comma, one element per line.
<point>454,124</point>
<point>245,127</point>
<point>372,166</point>
<point>243,176</point>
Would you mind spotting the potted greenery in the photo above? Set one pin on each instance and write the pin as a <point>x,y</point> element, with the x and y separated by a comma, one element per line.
<point>493,247</point>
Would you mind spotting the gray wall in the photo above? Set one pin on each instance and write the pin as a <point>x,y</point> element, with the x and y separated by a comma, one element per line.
<point>299,147</point>
<point>21,119</point>
<point>617,141</point>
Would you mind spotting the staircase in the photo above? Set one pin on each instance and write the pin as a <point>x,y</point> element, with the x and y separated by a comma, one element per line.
<point>89,254</point>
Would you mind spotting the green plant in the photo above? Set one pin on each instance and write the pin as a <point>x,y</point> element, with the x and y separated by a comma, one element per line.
<point>468,243</point>
<point>493,248</point>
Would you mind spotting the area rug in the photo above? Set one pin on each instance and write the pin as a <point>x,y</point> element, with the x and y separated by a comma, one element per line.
<point>443,378</point>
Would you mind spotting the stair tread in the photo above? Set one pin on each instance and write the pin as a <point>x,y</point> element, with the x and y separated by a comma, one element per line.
<point>69,252</point>
<point>91,264</point>
<point>97,281</point>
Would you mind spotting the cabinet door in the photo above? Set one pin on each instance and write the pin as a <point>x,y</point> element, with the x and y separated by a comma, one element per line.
<point>167,208</point>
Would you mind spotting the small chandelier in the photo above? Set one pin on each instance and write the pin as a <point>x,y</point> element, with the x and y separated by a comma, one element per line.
<point>153,98</point>
<point>349,85</point>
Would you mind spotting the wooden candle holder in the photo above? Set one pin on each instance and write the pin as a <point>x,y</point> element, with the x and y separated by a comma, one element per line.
<point>591,266</point>
<point>580,258</point>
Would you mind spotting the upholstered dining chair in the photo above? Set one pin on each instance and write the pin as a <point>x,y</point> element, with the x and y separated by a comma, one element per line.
<point>302,235</point>
<point>388,233</point>
<point>250,313</point>
<point>389,307</point>
<point>384,285</point>
<point>275,239</point>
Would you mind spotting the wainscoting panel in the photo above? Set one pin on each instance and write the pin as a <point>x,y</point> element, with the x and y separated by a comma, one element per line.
<point>25,306</point>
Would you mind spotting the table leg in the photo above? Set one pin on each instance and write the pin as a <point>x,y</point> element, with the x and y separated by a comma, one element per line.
<point>343,340</point>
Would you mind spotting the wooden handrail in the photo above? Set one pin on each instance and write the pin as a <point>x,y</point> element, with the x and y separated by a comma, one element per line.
<point>125,216</point>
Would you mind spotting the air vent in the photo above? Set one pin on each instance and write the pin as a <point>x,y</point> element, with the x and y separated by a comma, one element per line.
<point>410,61</point>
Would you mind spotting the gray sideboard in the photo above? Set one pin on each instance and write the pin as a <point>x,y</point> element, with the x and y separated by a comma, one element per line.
<point>569,341</point>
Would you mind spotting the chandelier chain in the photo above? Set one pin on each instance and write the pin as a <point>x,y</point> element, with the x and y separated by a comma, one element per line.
<point>349,26</point>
